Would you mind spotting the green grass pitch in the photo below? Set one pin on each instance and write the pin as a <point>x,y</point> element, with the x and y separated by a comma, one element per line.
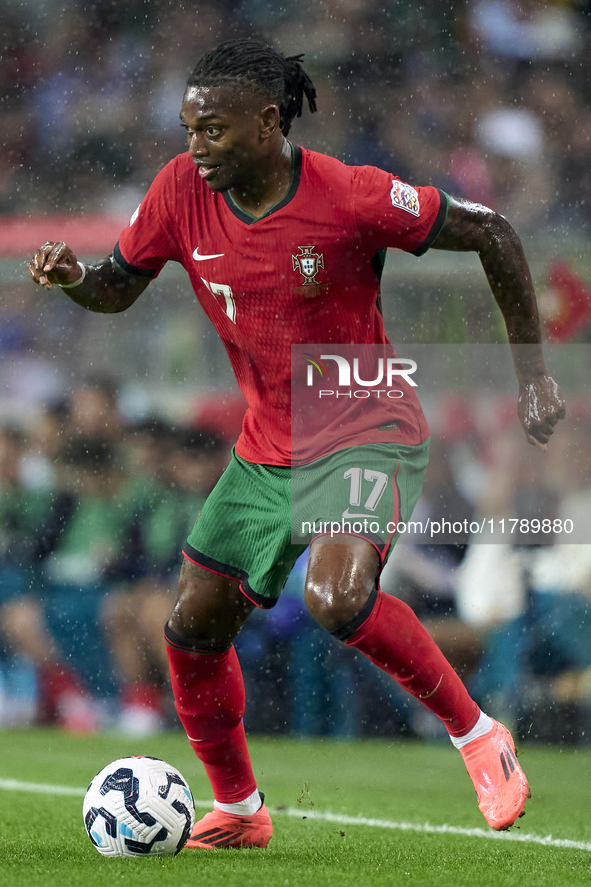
<point>43,842</point>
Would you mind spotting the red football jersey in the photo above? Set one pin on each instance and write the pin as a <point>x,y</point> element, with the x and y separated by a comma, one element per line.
<point>307,272</point>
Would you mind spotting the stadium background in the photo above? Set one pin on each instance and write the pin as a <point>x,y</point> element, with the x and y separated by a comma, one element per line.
<point>112,425</point>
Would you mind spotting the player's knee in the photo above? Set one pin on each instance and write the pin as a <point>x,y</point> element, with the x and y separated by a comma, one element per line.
<point>210,609</point>
<point>341,579</point>
<point>334,606</point>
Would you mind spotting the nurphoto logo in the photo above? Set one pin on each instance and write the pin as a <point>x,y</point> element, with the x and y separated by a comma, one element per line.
<point>388,372</point>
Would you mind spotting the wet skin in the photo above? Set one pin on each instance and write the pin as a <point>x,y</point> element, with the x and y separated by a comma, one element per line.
<point>211,609</point>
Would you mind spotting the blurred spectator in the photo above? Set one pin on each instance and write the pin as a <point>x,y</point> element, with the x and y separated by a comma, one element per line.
<point>38,466</point>
<point>93,410</point>
<point>30,523</point>
<point>526,30</point>
<point>174,471</point>
<point>27,375</point>
<point>528,597</point>
<point>221,414</point>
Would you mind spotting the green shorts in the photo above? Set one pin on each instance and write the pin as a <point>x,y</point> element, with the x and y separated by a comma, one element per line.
<point>260,518</point>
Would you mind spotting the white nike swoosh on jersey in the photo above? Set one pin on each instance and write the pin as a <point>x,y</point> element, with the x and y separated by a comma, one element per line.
<point>199,258</point>
<point>346,515</point>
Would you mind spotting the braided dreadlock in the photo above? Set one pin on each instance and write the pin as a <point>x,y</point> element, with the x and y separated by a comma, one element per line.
<point>280,79</point>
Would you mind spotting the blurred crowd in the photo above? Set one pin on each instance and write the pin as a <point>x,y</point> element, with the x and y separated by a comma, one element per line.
<point>94,512</point>
<point>488,99</point>
<point>93,516</point>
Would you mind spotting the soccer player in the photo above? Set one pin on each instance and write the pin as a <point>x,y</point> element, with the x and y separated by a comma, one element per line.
<point>234,210</point>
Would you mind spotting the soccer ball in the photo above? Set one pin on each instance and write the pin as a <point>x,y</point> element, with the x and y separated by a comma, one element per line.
<point>138,806</point>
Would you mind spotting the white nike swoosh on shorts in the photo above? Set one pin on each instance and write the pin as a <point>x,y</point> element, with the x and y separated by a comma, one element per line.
<point>199,258</point>
<point>346,515</point>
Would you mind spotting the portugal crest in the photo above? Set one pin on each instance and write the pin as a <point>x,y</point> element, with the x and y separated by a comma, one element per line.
<point>308,263</point>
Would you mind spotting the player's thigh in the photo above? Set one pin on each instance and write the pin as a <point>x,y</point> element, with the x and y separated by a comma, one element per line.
<point>244,530</point>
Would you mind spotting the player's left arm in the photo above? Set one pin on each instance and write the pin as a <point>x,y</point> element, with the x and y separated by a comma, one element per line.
<point>472,227</point>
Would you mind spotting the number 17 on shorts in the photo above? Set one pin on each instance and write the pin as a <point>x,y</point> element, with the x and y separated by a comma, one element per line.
<point>363,491</point>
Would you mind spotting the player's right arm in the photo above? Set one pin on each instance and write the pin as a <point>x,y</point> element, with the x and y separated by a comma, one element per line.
<point>105,287</point>
<point>148,242</point>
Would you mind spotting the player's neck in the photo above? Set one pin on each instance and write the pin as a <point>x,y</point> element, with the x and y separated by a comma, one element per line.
<point>272,184</point>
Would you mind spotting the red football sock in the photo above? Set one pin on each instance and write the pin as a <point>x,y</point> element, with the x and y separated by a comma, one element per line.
<point>209,699</point>
<point>393,638</point>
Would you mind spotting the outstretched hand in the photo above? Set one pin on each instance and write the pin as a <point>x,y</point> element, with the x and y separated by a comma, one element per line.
<point>540,407</point>
<point>54,262</point>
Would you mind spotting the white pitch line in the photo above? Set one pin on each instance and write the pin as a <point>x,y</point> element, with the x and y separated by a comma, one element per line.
<point>341,819</point>
<point>428,828</point>
<point>40,788</point>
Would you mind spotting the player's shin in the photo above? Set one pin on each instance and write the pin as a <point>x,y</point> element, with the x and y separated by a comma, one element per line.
<point>393,638</point>
<point>209,699</point>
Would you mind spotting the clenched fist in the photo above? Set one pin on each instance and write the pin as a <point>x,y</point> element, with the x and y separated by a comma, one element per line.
<point>540,407</point>
<point>54,263</point>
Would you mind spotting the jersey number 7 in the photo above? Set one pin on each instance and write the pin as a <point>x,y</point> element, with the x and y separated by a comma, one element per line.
<point>221,289</point>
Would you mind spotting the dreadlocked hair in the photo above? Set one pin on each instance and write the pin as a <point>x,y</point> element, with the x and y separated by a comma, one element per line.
<point>278,78</point>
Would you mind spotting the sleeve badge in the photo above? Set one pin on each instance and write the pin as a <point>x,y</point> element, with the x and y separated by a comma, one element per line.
<point>405,197</point>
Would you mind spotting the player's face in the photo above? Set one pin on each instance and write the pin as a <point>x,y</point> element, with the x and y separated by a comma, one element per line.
<point>225,134</point>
